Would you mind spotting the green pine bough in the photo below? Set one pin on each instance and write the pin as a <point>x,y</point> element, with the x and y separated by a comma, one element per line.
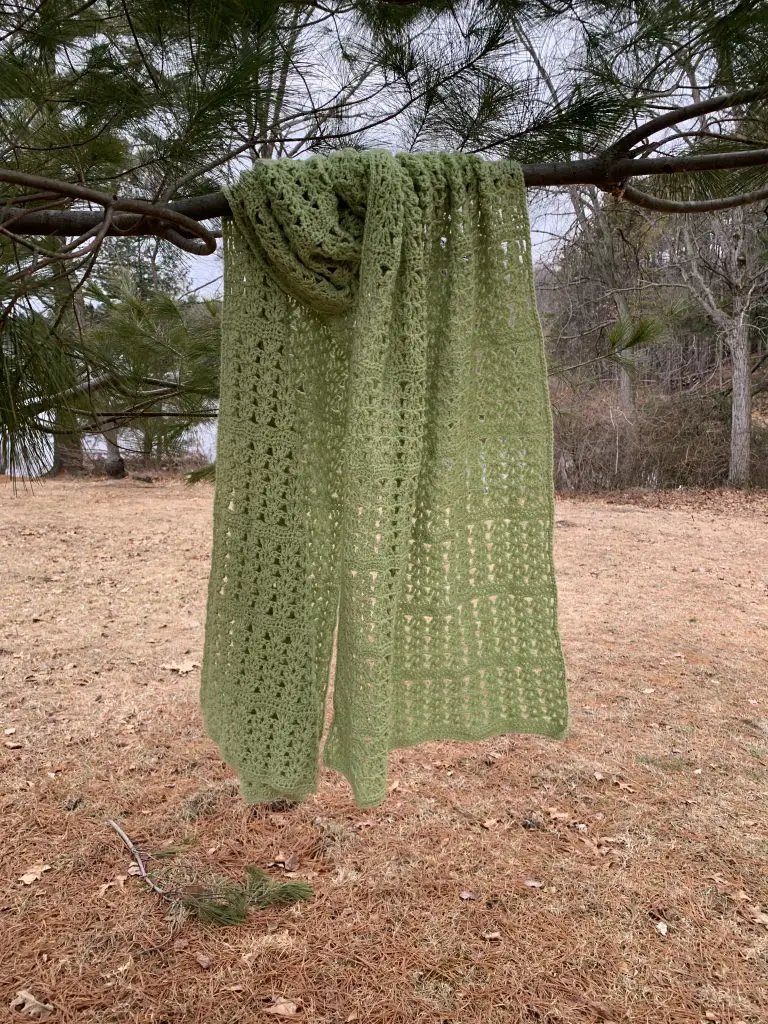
<point>230,903</point>
<point>384,471</point>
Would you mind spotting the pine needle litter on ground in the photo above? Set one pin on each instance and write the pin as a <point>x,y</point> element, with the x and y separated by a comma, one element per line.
<point>618,875</point>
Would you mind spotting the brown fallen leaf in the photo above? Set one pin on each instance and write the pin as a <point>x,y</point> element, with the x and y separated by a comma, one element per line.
<point>624,785</point>
<point>117,882</point>
<point>203,960</point>
<point>592,846</point>
<point>394,786</point>
<point>353,1016</point>
<point>758,917</point>
<point>289,864</point>
<point>490,823</point>
<point>180,944</point>
<point>34,873</point>
<point>26,1002</point>
<point>284,1008</point>
<point>556,815</point>
<point>182,669</point>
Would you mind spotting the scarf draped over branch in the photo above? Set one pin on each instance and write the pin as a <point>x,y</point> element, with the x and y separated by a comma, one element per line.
<point>384,471</point>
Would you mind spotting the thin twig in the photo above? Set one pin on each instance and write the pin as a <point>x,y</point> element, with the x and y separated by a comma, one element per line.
<point>139,862</point>
<point>687,113</point>
<point>660,205</point>
<point>200,243</point>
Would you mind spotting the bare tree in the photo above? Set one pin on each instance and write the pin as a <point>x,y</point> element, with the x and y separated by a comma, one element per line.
<point>722,263</point>
<point>137,114</point>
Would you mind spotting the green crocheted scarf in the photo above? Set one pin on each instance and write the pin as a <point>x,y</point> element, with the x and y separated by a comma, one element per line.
<point>384,471</point>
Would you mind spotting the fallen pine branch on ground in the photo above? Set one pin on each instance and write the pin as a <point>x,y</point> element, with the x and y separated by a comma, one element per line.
<point>223,902</point>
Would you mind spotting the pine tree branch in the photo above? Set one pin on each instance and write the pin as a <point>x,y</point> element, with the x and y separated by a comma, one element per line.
<point>604,171</point>
<point>687,113</point>
<point>174,225</point>
<point>148,67</point>
<point>131,846</point>
<point>659,205</point>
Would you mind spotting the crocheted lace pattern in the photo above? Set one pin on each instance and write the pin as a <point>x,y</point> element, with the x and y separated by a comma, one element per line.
<point>384,467</point>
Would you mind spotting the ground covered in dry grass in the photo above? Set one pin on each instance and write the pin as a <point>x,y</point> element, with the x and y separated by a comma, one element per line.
<point>617,876</point>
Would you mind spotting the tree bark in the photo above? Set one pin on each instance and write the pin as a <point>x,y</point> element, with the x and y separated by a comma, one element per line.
<point>67,446</point>
<point>67,454</point>
<point>115,464</point>
<point>68,441</point>
<point>741,404</point>
<point>627,393</point>
<point>147,448</point>
<point>603,171</point>
<point>627,367</point>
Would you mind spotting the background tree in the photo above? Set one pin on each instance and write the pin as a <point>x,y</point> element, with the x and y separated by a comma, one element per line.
<point>143,265</point>
<point>161,103</point>
<point>697,291</point>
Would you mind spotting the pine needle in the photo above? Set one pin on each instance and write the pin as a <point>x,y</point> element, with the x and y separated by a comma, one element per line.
<point>263,892</point>
<point>205,473</point>
<point>229,903</point>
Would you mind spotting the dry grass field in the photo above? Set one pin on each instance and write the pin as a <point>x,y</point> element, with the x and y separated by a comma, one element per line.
<point>619,875</point>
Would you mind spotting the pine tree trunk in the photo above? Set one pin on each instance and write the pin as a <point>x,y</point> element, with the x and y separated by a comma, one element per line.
<point>67,447</point>
<point>147,444</point>
<point>741,404</point>
<point>68,442</point>
<point>67,455</point>
<point>114,465</point>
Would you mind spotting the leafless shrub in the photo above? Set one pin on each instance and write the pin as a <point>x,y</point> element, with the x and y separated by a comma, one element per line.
<point>671,441</point>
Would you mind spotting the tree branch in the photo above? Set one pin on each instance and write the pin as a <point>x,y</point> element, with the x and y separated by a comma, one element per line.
<point>672,117</point>
<point>174,225</point>
<point>659,205</point>
<point>603,171</point>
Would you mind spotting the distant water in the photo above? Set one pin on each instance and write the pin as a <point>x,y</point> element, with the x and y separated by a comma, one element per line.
<point>199,439</point>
